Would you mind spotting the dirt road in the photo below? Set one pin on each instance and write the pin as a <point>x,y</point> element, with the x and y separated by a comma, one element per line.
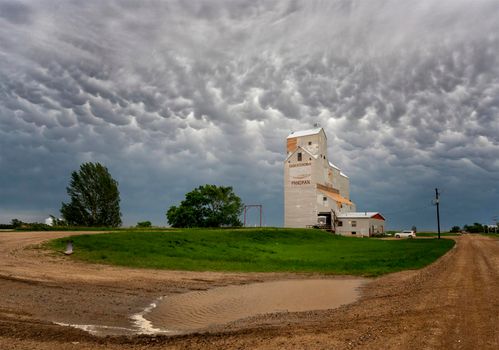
<point>451,304</point>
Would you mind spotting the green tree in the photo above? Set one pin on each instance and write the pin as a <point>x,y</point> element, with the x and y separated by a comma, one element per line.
<point>455,229</point>
<point>16,223</point>
<point>144,224</point>
<point>94,198</point>
<point>475,228</point>
<point>207,206</point>
<point>57,222</point>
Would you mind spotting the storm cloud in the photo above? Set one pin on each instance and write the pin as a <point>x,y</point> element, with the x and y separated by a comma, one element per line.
<point>170,95</point>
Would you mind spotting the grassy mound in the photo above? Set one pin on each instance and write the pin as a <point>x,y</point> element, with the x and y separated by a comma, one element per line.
<point>266,250</point>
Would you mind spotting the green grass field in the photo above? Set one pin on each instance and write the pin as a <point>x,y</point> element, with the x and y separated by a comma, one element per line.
<point>435,234</point>
<point>264,250</point>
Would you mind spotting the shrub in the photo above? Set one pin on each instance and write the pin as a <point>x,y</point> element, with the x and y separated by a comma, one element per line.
<point>144,224</point>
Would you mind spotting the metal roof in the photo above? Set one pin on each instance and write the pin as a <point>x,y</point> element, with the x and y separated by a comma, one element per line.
<point>334,166</point>
<point>304,133</point>
<point>336,197</point>
<point>362,214</point>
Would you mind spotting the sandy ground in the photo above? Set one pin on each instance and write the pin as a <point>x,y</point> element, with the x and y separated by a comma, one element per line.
<point>189,312</point>
<point>451,304</point>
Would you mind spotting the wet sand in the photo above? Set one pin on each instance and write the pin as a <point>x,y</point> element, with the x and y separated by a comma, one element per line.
<point>203,309</point>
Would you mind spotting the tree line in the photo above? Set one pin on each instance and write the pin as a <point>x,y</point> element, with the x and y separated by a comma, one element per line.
<point>474,228</point>
<point>94,201</point>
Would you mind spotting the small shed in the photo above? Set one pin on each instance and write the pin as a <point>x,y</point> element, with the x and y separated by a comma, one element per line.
<point>360,224</point>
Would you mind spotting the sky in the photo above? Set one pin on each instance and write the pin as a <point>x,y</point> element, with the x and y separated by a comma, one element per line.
<point>170,95</point>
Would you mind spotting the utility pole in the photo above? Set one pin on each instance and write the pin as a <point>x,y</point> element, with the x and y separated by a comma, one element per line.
<point>437,203</point>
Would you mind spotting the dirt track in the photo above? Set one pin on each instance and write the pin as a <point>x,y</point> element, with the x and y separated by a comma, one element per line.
<point>452,304</point>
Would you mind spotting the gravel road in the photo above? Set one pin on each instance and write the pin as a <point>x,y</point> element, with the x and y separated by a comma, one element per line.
<point>451,304</point>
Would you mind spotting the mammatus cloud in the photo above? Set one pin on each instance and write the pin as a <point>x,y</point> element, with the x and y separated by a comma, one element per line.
<point>173,94</point>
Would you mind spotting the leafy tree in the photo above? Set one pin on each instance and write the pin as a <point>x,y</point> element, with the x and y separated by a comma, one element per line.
<point>58,222</point>
<point>16,223</point>
<point>95,199</point>
<point>455,229</point>
<point>143,224</point>
<point>207,206</point>
<point>475,228</point>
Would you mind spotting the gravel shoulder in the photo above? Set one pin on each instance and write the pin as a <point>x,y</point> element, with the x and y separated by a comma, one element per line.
<point>451,304</point>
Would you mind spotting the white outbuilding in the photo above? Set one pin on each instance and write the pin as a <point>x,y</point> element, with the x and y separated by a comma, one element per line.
<point>363,224</point>
<point>49,221</point>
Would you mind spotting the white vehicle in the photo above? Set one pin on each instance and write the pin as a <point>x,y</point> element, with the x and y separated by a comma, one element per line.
<point>406,234</point>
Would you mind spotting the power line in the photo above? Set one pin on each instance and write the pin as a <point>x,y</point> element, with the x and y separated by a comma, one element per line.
<point>408,210</point>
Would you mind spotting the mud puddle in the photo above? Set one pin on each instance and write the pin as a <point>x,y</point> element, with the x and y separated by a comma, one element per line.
<point>200,309</point>
<point>192,311</point>
<point>138,325</point>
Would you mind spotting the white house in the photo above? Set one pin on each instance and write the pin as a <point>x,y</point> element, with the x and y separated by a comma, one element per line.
<point>49,221</point>
<point>360,223</point>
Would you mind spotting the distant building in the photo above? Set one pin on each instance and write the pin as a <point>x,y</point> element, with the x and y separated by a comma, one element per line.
<point>317,192</point>
<point>49,221</point>
<point>52,221</point>
<point>360,224</point>
<point>492,228</point>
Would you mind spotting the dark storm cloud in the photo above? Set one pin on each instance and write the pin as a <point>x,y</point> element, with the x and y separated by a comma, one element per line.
<point>15,12</point>
<point>173,94</point>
